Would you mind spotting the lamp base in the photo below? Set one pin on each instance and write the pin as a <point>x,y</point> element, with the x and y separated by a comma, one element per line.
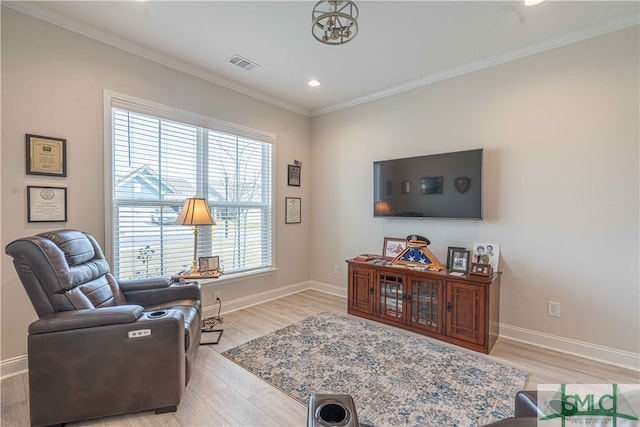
<point>194,268</point>
<point>194,265</point>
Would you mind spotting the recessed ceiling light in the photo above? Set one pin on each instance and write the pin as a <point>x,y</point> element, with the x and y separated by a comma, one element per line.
<point>532,2</point>
<point>313,83</point>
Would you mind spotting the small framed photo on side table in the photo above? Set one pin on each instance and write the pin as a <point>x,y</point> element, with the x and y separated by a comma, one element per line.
<point>208,264</point>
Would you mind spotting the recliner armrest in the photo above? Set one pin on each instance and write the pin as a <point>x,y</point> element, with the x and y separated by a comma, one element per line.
<point>526,404</point>
<point>93,372</point>
<point>78,319</point>
<point>151,297</point>
<point>159,282</point>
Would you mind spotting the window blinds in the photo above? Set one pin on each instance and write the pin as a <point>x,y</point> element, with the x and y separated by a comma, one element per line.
<point>157,164</point>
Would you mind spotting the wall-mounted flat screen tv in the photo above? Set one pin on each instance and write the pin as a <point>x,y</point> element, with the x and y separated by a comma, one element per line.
<point>447,185</point>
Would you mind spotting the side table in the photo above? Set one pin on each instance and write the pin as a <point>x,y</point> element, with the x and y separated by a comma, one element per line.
<point>188,275</point>
<point>209,335</point>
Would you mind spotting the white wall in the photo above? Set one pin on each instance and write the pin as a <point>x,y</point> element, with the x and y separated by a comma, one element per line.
<point>560,132</point>
<point>559,129</point>
<point>52,84</point>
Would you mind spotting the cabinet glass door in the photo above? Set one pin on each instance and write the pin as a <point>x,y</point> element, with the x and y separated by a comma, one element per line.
<point>391,296</point>
<point>426,300</point>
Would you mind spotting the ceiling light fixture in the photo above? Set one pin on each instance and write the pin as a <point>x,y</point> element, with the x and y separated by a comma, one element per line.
<point>532,2</point>
<point>334,21</point>
<point>313,83</point>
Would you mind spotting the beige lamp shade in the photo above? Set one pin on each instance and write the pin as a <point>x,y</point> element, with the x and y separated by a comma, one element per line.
<point>195,212</point>
<point>382,208</point>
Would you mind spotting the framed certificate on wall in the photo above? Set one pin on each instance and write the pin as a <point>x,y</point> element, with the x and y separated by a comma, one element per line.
<point>46,204</point>
<point>293,210</point>
<point>46,155</point>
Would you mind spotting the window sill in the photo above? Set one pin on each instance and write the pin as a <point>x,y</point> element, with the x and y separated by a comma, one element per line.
<point>236,277</point>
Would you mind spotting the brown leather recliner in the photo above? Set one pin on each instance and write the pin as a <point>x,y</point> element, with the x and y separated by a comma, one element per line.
<point>526,411</point>
<point>101,346</point>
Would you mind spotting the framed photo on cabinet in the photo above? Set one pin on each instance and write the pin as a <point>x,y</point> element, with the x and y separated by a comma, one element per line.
<point>460,261</point>
<point>486,253</point>
<point>450,250</point>
<point>481,269</point>
<point>392,247</point>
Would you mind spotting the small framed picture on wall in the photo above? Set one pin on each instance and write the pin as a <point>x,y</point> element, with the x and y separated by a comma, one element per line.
<point>293,175</point>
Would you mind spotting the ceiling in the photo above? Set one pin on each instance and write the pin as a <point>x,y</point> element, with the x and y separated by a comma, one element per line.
<point>400,44</point>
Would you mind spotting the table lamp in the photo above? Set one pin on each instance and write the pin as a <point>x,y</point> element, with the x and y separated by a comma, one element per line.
<point>195,212</point>
<point>381,208</point>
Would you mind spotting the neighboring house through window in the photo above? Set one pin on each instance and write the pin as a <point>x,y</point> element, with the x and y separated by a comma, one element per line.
<point>161,156</point>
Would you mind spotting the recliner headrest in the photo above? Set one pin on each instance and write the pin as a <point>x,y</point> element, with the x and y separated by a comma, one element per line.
<point>75,245</point>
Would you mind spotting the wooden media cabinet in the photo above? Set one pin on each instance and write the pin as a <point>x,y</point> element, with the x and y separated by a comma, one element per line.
<point>463,310</point>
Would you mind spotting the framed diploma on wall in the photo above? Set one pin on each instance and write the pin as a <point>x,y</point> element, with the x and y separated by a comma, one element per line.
<point>293,210</point>
<point>46,204</point>
<point>46,155</point>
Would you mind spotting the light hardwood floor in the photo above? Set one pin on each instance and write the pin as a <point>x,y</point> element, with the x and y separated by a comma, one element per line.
<point>221,393</point>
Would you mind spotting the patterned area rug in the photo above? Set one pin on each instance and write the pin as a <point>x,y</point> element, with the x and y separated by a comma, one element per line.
<point>394,379</point>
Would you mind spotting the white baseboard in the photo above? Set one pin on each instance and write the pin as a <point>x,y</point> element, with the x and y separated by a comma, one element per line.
<point>612,356</point>
<point>327,288</point>
<point>587,350</point>
<point>272,294</point>
<point>254,299</point>
<point>13,366</point>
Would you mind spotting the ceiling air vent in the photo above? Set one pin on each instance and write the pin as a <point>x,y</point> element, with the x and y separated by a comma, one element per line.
<point>243,63</point>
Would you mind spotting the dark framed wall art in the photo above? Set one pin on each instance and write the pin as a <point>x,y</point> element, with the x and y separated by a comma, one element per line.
<point>46,204</point>
<point>293,213</point>
<point>46,155</point>
<point>293,175</point>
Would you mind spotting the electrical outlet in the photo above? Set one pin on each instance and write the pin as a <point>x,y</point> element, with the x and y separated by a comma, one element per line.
<point>553,308</point>
<point>336,269</point>
<point>216,295</point>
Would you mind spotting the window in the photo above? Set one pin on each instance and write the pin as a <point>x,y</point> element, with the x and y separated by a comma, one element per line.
<point>158,162</point>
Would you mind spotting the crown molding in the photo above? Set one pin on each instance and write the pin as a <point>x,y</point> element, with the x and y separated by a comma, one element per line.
<point>39,12</point>
<point>578,36</point>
